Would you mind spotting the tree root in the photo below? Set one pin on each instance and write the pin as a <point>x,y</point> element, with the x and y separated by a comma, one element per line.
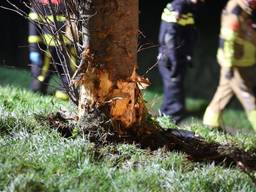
<point>196,148</point>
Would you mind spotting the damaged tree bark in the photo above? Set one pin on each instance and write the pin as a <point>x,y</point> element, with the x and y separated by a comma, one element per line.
<point>109,79</point>
<point>109,84</point>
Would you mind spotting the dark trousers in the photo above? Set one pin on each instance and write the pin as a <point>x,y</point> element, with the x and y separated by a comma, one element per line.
<point>42,74</point>
<point>174,98</point>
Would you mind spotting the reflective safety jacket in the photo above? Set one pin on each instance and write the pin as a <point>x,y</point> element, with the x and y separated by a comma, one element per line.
<point>40,15</point>
<point>179,12</point>
<point>237,37</point>
<point>178,27</point>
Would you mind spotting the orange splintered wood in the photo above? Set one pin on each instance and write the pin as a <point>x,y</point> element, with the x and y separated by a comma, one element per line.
<point>123,107</point>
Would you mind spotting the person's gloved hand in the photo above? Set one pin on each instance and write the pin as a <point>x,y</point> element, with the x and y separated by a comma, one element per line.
<point>35,58</point>
<point>229,73</point>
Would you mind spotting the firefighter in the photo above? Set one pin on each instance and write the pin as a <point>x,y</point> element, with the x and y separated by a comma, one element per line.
<point>177,39</point>
<point>42,47</point>
<point>236,56</point>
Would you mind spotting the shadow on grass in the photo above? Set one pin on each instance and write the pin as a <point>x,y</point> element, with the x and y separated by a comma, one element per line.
<point>11,76</point>
<point>21,78</point>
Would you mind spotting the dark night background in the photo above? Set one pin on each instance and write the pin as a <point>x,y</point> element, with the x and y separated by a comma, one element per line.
<point>13,33</point>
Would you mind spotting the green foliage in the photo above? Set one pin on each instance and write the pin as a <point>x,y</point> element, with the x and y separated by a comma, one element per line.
<point>35,157</point>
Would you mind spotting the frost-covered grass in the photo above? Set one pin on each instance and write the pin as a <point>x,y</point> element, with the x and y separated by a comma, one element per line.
<point>34,157</point>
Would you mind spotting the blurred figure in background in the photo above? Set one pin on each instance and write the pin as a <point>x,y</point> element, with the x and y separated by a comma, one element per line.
<point>43,47</point>
<point>237,58</point>
<point>38,58</point>
<point>177,37</point>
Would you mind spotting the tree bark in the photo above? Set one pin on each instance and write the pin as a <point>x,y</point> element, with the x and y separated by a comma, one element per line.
<point>109,85</point>
<point>109,78</point>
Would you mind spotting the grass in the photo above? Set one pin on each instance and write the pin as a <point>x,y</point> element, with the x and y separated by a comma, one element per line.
<point>35,157</point>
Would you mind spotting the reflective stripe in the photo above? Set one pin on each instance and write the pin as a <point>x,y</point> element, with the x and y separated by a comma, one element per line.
<point>225,59</point>
<point>34,39</point>
<point>33,16</point>
<point>73,58</point>
<point>186,21</point>
<point>61,95</point>
<point>225,54</point>
<point>59,18</point>
<point>41,78</point>
<point>235,51</point>
<point>170,16</point>
<point>45,68</point>
<point>36,17</point>
<point>211,118</point>
<point>228,34</point>
<point>52,40</point>
<point>175,17</point>
<point>49,40</point>
<point>252,118</point>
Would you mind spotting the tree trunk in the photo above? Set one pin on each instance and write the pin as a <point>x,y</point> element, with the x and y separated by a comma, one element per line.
<point>109,85</point>
<point>109,82</point>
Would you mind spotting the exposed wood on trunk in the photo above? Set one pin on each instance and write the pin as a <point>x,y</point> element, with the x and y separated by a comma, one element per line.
<point>109,87</point>
<point>109,78</point>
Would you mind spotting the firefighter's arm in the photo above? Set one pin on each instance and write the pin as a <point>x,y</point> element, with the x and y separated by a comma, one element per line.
<point>34,38</point>
<point>228,36</point>
<point>169,26</point>
<point>34,33</point>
